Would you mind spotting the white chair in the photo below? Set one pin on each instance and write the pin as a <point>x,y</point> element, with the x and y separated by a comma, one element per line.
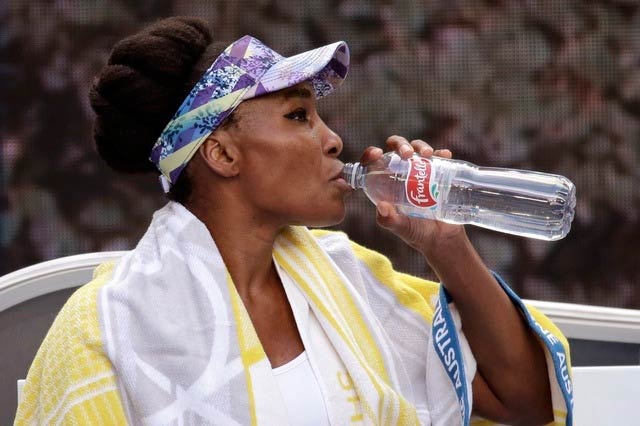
<point>48,277</point>
<point>593,322</point>
<point>20,384</point>
<point>606,396</point>
<point>29,300</point>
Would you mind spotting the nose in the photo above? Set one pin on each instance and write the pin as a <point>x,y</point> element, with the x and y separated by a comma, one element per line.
<point>332,142</point>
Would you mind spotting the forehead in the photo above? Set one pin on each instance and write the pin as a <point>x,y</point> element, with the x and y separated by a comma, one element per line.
<point>299,91</point>
<point>281,97</point>
<point>252,109</point>
<point>302,90</point>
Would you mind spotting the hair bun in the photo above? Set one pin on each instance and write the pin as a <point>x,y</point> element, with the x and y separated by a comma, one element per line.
<point>144,82</point>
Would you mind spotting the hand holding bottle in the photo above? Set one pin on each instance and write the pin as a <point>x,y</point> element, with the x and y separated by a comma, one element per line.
<point>423,235</point>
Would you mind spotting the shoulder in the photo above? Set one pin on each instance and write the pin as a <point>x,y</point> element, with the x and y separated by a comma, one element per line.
<point>78,318</point>
<point>337,242</point>
<point>349,254</point>
<point>375,269</point>
<point>70,369</point>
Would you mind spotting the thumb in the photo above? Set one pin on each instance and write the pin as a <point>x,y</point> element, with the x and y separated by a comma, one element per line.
<point>410,230</point>
<point>388,218</point>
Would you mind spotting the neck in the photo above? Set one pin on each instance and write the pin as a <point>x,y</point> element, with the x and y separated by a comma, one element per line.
<point>245,244</point>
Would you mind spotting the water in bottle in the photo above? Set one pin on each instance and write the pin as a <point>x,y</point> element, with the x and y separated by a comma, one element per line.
<point>519,202</point>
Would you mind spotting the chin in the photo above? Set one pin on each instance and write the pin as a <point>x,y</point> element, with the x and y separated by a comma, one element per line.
<point>327,219</point>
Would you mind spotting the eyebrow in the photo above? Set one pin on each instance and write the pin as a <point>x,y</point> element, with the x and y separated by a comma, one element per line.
<point>297,92</point>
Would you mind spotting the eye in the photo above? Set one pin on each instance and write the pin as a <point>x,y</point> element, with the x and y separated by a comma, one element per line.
<point>299,114</point>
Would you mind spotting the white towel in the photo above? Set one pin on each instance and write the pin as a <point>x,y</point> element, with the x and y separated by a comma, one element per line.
<point>185,352</point>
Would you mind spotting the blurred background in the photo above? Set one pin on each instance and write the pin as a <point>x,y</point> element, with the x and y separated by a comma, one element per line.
<point>545,85</point>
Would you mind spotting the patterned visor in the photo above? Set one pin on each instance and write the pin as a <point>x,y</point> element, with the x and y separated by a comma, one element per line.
<point>246,69</point>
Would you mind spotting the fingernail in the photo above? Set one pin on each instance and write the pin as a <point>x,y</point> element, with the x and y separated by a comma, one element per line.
<point>383,210</point>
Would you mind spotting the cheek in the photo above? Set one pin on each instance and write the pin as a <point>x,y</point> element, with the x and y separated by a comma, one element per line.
<point>297,162</point>
<point>299,183</point>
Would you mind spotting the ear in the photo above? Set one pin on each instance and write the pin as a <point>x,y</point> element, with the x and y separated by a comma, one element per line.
<point>220,155</point>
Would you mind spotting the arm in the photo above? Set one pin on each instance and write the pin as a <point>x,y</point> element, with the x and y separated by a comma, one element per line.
<point>512,383</point>
<point>507,352</point>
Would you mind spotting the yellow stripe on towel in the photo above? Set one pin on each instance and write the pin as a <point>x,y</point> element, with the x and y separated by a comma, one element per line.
<point>348,322</point>
<point>250,348</point>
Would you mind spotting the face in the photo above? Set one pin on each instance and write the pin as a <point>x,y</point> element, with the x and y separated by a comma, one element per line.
<point>289,167</point>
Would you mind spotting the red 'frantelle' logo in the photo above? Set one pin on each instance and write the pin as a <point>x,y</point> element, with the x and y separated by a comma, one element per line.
<point>417,185</point>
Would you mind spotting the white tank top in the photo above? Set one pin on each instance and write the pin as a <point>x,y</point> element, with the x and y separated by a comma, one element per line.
<point>301,393</point>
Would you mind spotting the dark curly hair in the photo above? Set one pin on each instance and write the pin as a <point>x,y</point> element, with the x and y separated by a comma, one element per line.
<point>146,78</point>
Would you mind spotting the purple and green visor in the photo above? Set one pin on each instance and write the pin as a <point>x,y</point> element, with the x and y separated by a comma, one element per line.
<point>246,69</point>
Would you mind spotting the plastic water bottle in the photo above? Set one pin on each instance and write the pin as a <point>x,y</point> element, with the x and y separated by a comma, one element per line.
<point>530,204</point>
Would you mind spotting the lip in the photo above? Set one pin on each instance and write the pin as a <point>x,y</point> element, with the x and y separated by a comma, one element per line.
<point>342,184</point>
<point>338,172</point>
<point>339,181</point>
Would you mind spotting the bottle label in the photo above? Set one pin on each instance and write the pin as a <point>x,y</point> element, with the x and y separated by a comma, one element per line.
<point>419,189</point>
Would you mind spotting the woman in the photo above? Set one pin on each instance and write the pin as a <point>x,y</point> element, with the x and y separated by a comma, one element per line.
<point>230,311</point>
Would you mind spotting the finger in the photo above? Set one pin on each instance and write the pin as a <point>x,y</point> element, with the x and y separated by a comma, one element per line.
<point>400,145</point>
<point>444,153</point>
<point>371,154</point>
<point>422,148</point>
